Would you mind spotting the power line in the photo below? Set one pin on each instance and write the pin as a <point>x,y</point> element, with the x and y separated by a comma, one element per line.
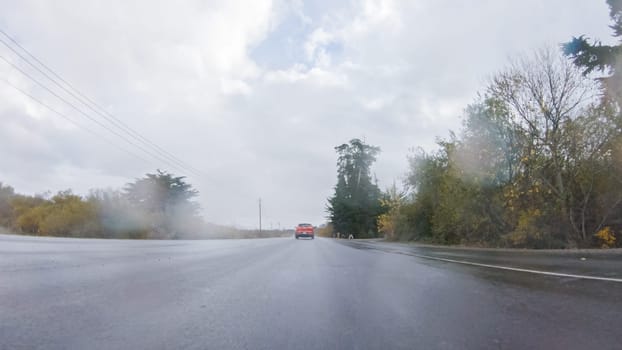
<point>90,103</point>
<point>131,133</point>
<point>93,106</point>
<point>64,116</point>
<point>94,120</point>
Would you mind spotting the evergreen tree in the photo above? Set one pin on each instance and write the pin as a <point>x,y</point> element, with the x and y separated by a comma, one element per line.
<point>594,56</point>
<point>355,206</point>
<point>166,200</point>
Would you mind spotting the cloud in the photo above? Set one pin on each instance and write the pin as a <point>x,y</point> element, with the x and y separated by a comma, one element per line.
<point>256,94</point>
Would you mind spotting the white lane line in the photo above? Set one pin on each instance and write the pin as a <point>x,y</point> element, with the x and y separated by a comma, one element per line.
<point>538,272</point>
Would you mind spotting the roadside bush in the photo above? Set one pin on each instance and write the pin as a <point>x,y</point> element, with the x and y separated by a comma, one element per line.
<point>606,237</point>
<point>533,231</point>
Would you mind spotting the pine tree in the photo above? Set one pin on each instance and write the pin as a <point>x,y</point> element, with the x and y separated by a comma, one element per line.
<point>355,206</point>
<point>595,56</point>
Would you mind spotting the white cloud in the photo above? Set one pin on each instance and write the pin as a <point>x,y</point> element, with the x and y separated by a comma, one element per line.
<point>234,86</point>
<point>315,47</point>
<point>397,73</point>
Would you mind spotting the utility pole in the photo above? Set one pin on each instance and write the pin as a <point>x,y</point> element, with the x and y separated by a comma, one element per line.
<point>259,215</point>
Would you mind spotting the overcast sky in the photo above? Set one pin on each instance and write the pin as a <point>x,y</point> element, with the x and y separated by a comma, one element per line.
<point>257,93</point>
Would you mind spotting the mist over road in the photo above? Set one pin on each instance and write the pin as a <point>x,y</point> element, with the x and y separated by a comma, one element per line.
<point>283,293</point>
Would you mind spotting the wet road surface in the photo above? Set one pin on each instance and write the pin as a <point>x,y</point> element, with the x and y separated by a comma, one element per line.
<point>297,294</point>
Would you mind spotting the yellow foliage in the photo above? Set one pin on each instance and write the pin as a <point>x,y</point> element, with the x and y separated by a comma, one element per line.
<point>325,231</point>
<point>386,224</point>
<point>527,231</point>
<point>64,215</point>
<point>30,220</point>
<point>606,237</point>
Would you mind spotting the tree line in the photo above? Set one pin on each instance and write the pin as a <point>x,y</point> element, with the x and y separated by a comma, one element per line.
<point>537,163</point>
<point>157,206</point>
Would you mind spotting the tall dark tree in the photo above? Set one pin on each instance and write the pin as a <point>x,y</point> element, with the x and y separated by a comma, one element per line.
<point>355,206</point>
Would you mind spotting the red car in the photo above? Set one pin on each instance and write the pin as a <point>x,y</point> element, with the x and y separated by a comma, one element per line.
<point>305,230</point>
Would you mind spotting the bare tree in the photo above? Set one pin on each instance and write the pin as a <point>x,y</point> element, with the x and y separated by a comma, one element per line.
<point>545,93</point>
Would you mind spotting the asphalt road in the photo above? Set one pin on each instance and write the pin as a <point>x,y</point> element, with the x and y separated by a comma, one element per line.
<point>306,294</point>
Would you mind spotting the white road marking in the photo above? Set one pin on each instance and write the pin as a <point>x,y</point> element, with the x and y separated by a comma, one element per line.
<point>538,272</point>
